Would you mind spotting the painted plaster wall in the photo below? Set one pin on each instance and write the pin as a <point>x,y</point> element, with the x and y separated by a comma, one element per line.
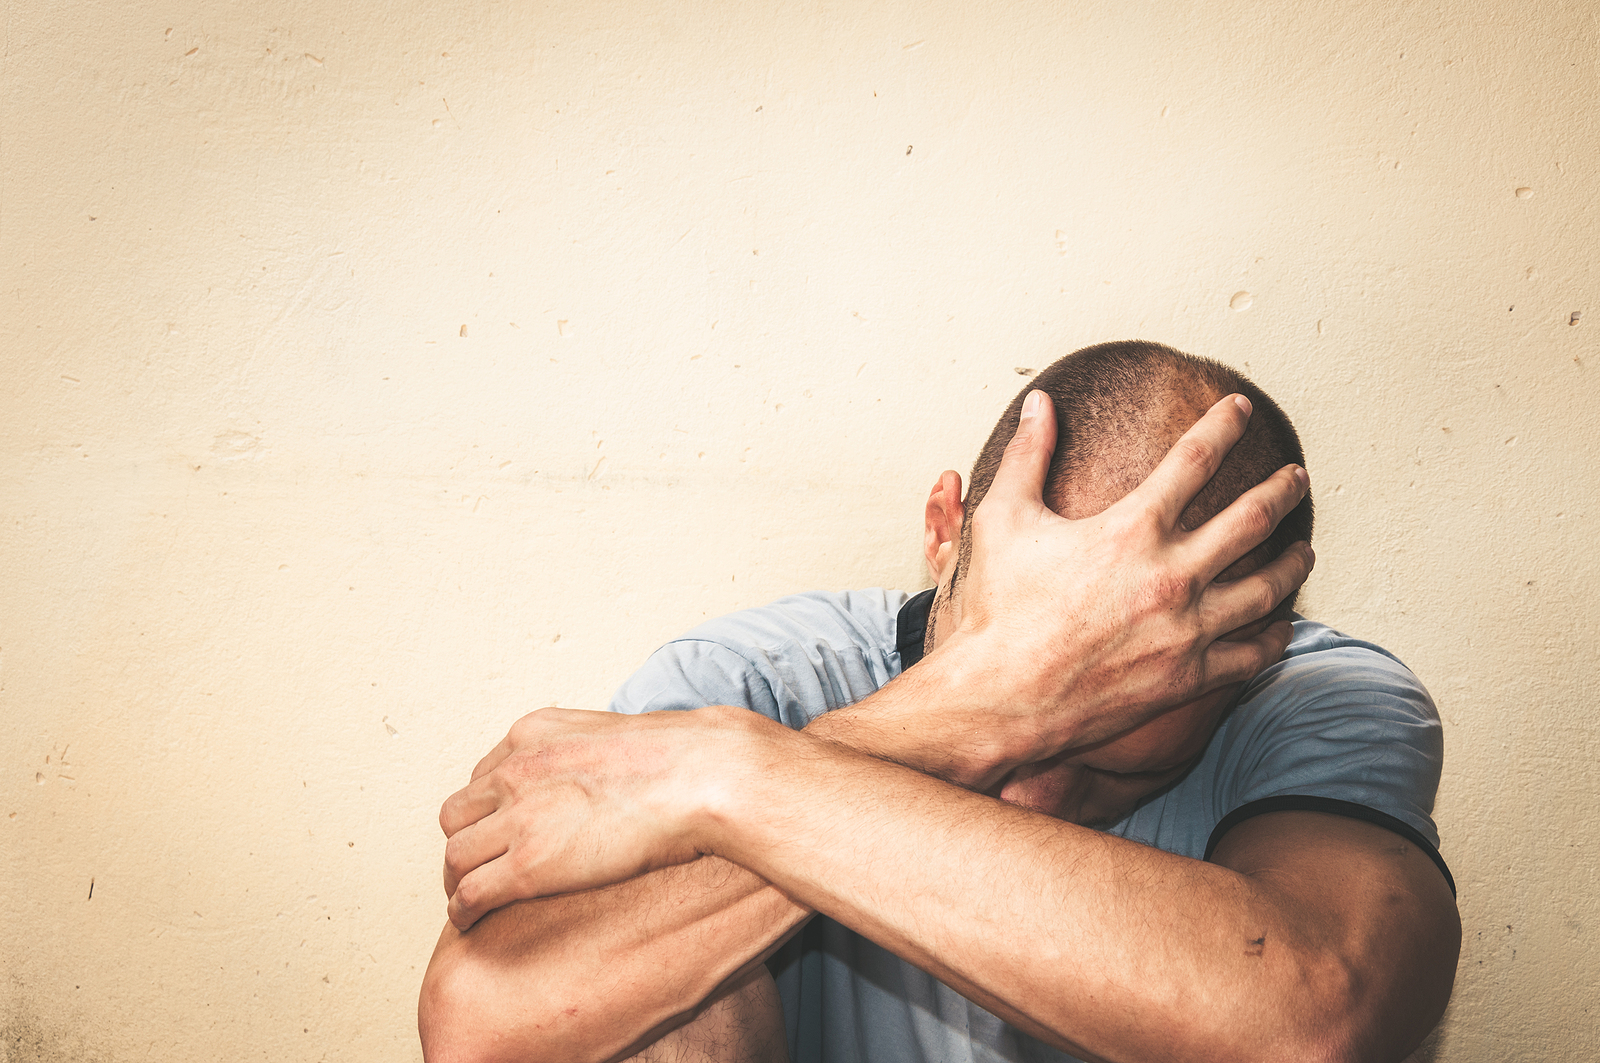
<point>373,373</point>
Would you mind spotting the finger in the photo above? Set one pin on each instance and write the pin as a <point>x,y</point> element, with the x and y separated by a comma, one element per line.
<point>1239,662</point>
<point>1228,606</point>
<point>468,805</point>
<point>1247,521</point>
<point>1193,460</point>
<point>493,758</point>
<point>481,892</point>
<point>470,848</point>
<point>1026,460</point>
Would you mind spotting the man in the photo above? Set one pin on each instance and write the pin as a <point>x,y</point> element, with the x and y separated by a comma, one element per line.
<point>1090,799</point>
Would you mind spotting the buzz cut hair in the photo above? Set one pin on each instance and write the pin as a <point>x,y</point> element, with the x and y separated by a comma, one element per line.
<point>1119,408</point>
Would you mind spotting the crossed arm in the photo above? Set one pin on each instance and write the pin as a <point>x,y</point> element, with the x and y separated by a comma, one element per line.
<point>1311,937</point>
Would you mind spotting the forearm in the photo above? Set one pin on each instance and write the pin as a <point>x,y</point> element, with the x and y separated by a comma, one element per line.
<point>744,1025</point>
<point>928,719</point>
<point>598,975</point>
<point>1077,937</point>
<point>592,975</point>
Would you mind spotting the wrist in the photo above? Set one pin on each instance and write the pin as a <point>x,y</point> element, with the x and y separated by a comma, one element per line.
<point>988,715</point>
<point>944,718</point>
<point>738,754</point>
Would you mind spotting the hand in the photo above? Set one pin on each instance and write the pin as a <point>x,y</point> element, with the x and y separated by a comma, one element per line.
<point>1080,630</point>
<point>572,800</point>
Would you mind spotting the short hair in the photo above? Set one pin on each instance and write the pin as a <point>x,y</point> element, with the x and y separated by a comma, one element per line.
<point>1119,408</point>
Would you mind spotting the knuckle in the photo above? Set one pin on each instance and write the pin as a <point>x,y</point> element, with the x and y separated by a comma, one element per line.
<point>469,895</point>
<point>1195,453</point>
<point>1169,587</point>
<point>1257,519</point>
<point>1266,597</point>
<point>993,518</point>
<point>1025,438</point>
<point>517,774</point>
<point>987,518</point>
<point>1141,527</point>
<point>1021,445</point>
<point>531,722</point>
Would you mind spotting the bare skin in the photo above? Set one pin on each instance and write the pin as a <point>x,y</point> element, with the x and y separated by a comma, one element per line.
<point>601,974</point>
<point>743,1025</point>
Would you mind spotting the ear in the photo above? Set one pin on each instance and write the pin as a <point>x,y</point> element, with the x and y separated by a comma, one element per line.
<point>942,525</point>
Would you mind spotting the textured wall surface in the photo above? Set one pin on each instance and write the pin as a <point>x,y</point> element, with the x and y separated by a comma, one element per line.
<point>372,373</point>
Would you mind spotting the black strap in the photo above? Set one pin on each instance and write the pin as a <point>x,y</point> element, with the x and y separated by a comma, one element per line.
<point>911,628</point>
<point>1349,809</point>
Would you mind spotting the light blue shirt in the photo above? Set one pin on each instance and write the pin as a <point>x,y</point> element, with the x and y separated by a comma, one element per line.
<point>1337,725</point>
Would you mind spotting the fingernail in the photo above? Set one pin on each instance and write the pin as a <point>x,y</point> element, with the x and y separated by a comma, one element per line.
<point>1311,555</point>
<point>1243,404</point>
<point>1030,405</point>
<point>1302,477</point>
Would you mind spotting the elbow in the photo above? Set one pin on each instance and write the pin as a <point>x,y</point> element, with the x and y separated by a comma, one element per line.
<point>1329,1016</point>
<point>464,1015</point>
<point>1349,1015</point>
<point>468,1012</point>
<point>450,1022</point>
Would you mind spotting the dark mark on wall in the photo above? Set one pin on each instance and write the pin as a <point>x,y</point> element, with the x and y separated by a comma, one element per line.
<point>908,149</point>
<point>91,889</point>
<point>24,1035</point>
<point>1576,315</point>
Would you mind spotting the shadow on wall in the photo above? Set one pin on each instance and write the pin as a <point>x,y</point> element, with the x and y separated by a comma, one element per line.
<point>26,1039</point>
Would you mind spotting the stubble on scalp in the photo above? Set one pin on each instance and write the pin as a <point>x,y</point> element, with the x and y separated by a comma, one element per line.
<point>1119,408</point>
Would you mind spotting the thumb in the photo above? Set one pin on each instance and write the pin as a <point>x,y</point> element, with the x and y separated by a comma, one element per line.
<point>1026,461</point>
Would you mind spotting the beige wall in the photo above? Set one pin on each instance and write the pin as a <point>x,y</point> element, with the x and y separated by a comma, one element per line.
<point>373,373</point>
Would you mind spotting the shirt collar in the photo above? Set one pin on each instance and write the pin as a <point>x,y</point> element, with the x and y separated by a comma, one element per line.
<point>911,628</point>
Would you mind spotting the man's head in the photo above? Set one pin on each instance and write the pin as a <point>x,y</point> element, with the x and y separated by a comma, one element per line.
<point>1119,408</point>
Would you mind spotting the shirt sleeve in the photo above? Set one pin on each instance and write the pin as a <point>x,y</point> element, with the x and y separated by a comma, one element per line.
<point>693,673</point>
<point>1344,729</point>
